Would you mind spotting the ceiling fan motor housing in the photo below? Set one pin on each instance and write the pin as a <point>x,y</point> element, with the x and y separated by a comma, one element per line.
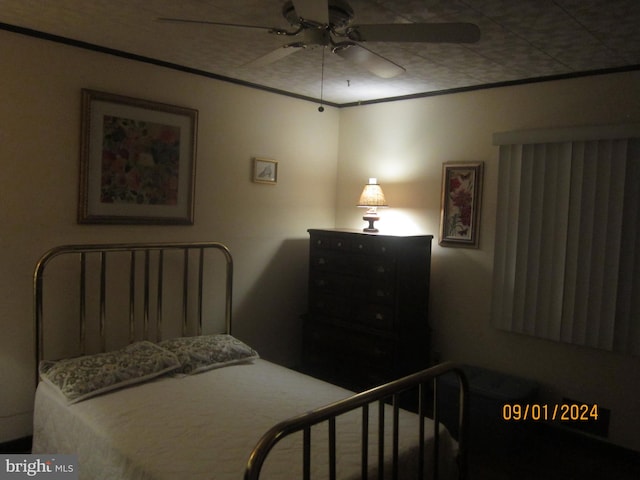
<point>316,36</point>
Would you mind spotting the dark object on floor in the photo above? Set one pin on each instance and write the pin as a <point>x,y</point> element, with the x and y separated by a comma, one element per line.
<point>489,392</point>
<point>552,453</point>
<point>20,445</point>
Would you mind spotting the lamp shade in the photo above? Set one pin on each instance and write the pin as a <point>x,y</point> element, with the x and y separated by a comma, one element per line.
<point>372,195</point>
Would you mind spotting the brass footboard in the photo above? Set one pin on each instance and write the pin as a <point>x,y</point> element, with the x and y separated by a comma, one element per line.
<point>422,380</point>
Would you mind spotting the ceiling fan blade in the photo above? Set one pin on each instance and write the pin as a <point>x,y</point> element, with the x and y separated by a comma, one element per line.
<point>415,32</point>
<point>276,55</point>
<point>206,22</point>
<point>376,64</point>
<point>314,10</point>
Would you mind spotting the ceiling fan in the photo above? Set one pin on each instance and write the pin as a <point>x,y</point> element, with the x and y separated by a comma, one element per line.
<point>327,23</point>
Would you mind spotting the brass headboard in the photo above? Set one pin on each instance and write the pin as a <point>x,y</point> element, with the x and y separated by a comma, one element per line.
<point>152,274</point>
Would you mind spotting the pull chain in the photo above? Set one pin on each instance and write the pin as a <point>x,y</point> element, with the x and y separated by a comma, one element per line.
<point>321,108</point>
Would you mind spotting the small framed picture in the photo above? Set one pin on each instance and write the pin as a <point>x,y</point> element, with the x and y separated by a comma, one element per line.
<point>460,205</point>
<point>137,161</point>
<point>265,171</point>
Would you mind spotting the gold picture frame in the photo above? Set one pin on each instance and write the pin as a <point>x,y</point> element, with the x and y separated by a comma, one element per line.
<point>460,204</point>
<point>265,170</point>
<point>137,161</point>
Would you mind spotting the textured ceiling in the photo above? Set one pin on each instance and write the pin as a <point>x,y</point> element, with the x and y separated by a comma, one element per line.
<point>520,40</point>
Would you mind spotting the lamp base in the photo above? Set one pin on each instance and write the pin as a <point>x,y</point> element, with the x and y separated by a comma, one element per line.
<point>371,218</point>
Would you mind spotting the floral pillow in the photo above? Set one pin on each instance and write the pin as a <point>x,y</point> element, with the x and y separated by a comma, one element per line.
<point>206,352</point>
<point>83,377</point>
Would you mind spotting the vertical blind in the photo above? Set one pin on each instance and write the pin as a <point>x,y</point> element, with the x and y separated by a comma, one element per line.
<point>567,233</point>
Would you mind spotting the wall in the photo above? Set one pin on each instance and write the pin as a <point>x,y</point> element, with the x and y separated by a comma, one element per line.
<point>264,226</point>
<point>404,144</point>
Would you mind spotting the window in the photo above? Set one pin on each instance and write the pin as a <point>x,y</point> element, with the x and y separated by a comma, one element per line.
<point>567,262</point>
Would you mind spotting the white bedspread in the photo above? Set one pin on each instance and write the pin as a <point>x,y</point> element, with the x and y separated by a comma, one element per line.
<point>204,427</point>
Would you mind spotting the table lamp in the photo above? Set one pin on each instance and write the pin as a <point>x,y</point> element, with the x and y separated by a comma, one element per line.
<point>371,198</point>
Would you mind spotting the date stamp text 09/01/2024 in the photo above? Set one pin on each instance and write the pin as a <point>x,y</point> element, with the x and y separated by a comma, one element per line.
<point>564,412</point>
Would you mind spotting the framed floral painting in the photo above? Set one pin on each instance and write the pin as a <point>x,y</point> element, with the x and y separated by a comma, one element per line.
<point>460,205</point>
<point>137,161</point>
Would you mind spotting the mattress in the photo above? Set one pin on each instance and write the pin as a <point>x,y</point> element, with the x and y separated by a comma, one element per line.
<point>204,427</point>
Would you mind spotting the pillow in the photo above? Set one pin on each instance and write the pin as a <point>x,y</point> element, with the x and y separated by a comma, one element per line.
<point>83,377</point>
<point>206,352</point>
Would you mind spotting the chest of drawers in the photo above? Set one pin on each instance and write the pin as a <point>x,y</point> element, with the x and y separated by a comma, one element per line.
<point>367,318</point>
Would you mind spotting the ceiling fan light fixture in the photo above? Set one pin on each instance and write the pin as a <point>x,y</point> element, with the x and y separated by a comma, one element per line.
<point>376,64</point>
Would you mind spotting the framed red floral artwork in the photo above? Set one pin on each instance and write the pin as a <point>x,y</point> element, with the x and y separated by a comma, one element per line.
<point>137,161</point>
<point>460,205</point>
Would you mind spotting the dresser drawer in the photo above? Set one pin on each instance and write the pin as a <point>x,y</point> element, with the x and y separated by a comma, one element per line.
<point>330,242</point>
<point>360,348</point>
<point>376,316</point>
<point>326,260</point>
<point>371,290</point>
<point>346,263</point>
<point>330,306</point>
<point>374,245</point>
<point>367,245</point>
<point>352,263</point>
<point>326,282</point>
<point>380,268</point>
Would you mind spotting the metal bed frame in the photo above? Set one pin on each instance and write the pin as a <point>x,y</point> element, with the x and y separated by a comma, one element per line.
<point>424,382</point>
<point>82,252</point>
